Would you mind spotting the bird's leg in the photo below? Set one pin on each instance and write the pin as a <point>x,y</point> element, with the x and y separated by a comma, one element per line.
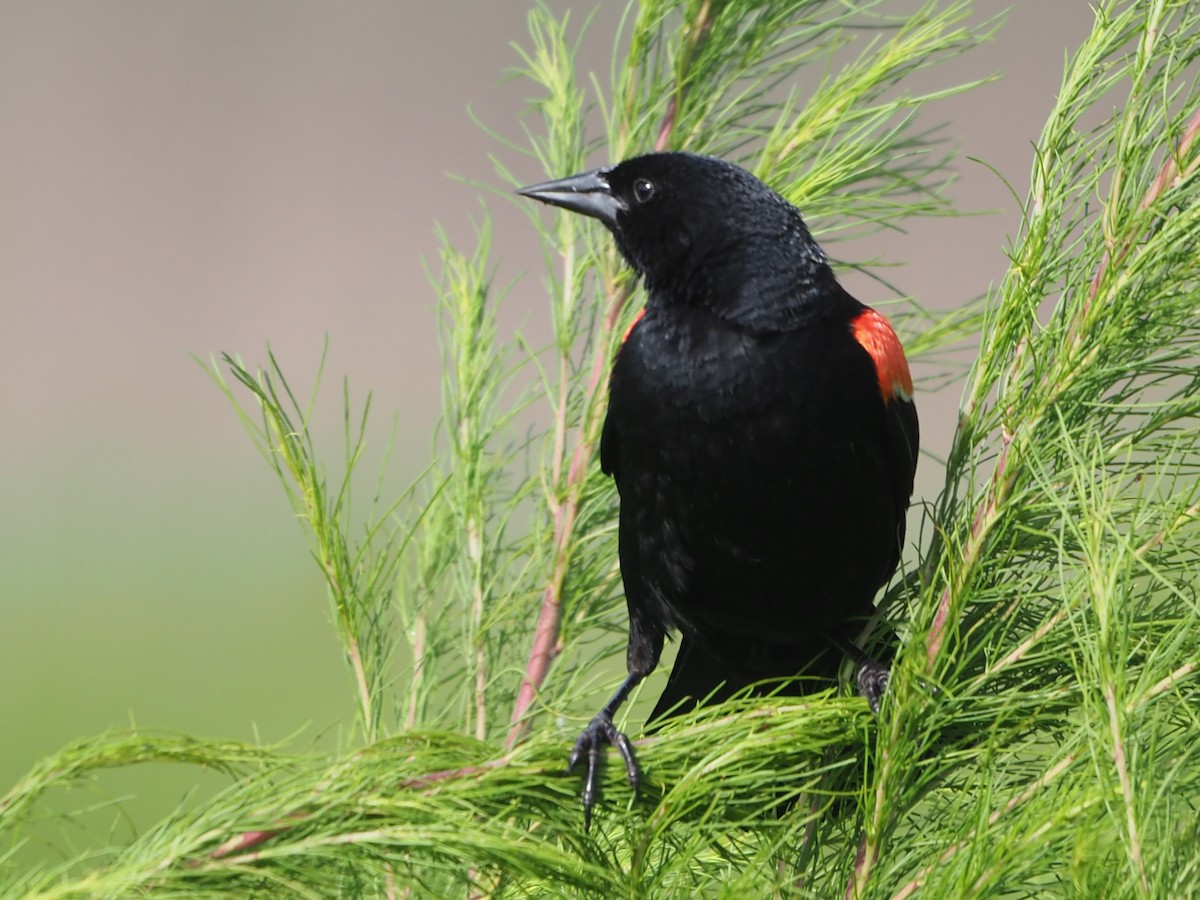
<point>872,675</point>
<point>601,731</point>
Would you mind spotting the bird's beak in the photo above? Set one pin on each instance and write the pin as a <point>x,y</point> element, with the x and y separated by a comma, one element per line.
<point>587,193</point>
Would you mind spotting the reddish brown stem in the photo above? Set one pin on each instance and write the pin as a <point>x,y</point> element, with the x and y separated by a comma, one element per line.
<point>668,125</point>
<point>696,33</point>
<point>546,638</point>
<point>546,634</point>
<point>1168,177</point>
<point>984,517</point>
<point>247,840</point>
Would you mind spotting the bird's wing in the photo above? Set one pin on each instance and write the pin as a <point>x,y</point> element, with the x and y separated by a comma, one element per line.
<point>876,335</point>
<point>696,676</point>
<point>903,439</point>
<point>609,444</point>
<point>609,450</point>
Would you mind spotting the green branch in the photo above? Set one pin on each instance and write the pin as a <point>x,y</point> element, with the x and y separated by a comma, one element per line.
<point>1038,733</point>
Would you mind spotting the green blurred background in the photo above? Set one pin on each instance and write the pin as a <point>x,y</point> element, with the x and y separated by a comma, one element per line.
<point>192,177</point>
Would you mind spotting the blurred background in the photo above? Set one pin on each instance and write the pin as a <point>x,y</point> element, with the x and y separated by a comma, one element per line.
<point>191,177</point>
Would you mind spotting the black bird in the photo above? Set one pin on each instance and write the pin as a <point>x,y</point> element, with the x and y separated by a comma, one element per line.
<point>761,432</point>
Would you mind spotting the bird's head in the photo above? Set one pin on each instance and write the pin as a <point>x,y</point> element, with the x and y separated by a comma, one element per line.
<point>692,225</point>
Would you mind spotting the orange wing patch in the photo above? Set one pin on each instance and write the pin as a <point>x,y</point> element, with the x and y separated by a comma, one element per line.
<point>875,334</point>
<point>632,325</point>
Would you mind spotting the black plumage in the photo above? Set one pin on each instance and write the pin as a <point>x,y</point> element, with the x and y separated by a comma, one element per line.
<point>761,432</point>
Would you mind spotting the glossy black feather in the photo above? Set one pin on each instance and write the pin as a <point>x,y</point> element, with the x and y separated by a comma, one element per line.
<point>763,475</point>
<point>760,503</point>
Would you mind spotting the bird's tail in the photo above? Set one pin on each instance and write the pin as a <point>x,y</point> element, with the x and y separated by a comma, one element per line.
<point>700,676</point>
<point>697,676</point>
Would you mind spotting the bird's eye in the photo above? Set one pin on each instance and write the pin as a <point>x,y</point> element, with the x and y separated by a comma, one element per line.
<point>643,190</point>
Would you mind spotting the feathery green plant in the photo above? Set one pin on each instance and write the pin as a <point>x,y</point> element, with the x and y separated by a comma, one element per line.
<point>1038,734</point>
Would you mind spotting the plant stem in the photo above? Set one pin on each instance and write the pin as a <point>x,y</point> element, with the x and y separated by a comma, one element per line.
<point>546,639</point>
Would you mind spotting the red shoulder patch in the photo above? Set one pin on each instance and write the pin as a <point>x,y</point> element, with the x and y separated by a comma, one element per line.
<point>875,333</point>
<point>632,325</point>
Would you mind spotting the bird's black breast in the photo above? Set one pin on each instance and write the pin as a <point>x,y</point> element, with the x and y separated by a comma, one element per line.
<point>756,495</point>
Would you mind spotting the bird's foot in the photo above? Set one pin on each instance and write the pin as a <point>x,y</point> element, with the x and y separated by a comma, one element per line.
<point>872,682</point>
<point>601,731</point>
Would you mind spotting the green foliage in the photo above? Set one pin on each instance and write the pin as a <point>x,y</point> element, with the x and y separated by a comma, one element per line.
<point>1037,737</point>
<point>359,577</point>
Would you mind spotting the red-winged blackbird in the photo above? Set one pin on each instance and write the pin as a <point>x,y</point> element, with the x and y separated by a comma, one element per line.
<point>761,432</point>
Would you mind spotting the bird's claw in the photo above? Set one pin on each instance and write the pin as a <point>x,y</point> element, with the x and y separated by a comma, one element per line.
<point>601,731</point>
<point>872,683</point>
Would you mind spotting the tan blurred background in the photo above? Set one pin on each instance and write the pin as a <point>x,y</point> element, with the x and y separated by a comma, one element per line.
<point>190,177</point>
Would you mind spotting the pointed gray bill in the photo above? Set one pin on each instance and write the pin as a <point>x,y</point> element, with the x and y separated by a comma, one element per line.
<point>587,193</point>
